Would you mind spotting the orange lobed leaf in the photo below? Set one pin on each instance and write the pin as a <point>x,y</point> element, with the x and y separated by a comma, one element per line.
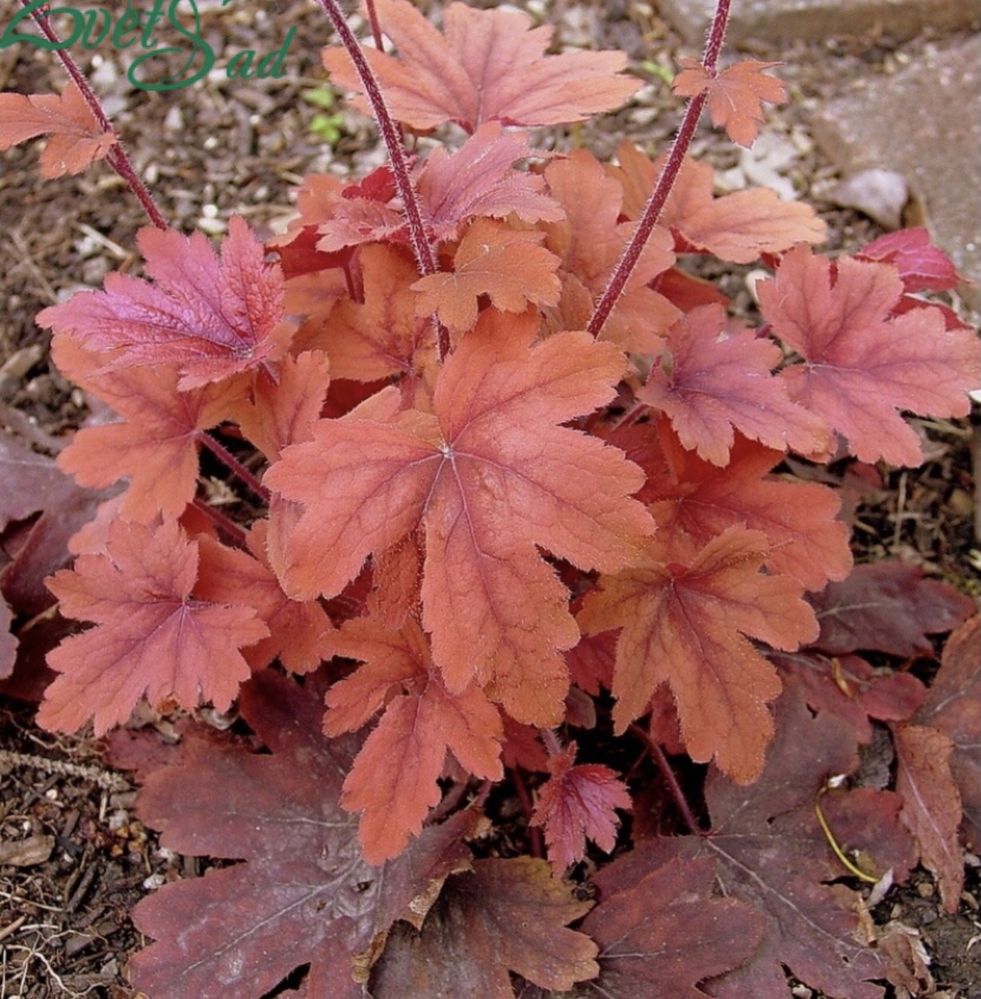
<point>712,381</point>
<point>283,412</point>
<point>688,494</point>
<point>489,476</point>
<point>213,317</point>
<point>300,632</point>
<point>590,241</point>
<point>393,781</point>
<point>688,625</point>
<point>155,445</point>
<point>151,638</point>
<point>76,138</point>
<point>738,227</point>
<point>506,265</point>
<point>575,804</point>
<point>486,65</point>
<point>860,364</point>
<point>735,96</point>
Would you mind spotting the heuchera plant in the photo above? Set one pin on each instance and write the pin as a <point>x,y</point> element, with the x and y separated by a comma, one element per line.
<point>513,455</point>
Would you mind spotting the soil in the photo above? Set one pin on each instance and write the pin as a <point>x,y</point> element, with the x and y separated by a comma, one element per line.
<point>223,147</point>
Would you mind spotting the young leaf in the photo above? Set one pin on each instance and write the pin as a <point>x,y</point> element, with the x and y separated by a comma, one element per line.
<point>478,180</point>
<point>154,445</point>
<point>771,854</point>
<point>212,317</point>
<point>490,476</point>
<point>739,226</point>
<point>393,779</point>
<point>931,804</point>
<point>712,381</point>
<point>921,265</point>
<point>887,607</point>
<point>507,915</point>
<point>488,65</point>
<point>506,265</point>
<point>688,625</point>
<point>953,706</point>
<point>151,637</point>
<point>578,803</point>
<point>735,96</point>
<point>76,138</point>
<point>662,930</point>
<point>861,366</point>
<point>304,894</point>
<point>688,494</point>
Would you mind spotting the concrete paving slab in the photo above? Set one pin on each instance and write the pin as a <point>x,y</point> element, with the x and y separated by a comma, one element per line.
<point>925,123</point>
<point>808,20</point>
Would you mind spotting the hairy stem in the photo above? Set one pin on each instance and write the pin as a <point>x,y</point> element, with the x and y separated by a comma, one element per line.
<point>419,240</point>
<point>551,740</point>
<point>669,173</point>
<point>376,31</point>
<point>664,765</point>
<point>117,157</point>
<point>235,533</point>
<point>234,465</point>
<point>534,832</point>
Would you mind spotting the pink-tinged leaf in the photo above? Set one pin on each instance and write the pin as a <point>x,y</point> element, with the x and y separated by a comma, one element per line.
<point>712,381</point>
<point>578,803</point>
<point>664,929</point>
<point>151,637</point>
<point>300,632</point>
<point>155,443</point>
<point>735,96</point>
<point>691,495</point>
<point>393,781</point>
<point>591,662</point>
<point>506,265</point>
<point>479,180</point>
<point>689,625</point>
<point>487,491</point>
<point>852,690</point>
<point>590,241</point>
<point>931,804</point>
<point>739,226</point>
<point>507,915</point>
<point>76,137</point>
<point>921,265</point>
<point>887,607</point>
<point>859,365</point>
<point>304,894</point>
<point>284,412</point>
<point>213,317</point>
<point>953,706</point>
<point>486,65</point>
<point>770,853</point>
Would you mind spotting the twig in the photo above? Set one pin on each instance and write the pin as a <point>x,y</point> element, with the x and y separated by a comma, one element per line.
<point>534,833</point>
<point>662,189</point>
<point>95,775</point>
<point>376,32</point>
<point>235,533</point>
